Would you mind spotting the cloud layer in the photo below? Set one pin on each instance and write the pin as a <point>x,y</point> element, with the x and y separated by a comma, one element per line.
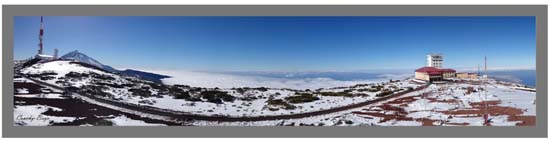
<point>204,79</point>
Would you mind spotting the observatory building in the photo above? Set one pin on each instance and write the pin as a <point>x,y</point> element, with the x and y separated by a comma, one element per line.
<point>434,70</point>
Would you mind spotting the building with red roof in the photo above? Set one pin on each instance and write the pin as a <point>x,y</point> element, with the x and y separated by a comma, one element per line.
<point>434,74</point>
<point>434,71</point>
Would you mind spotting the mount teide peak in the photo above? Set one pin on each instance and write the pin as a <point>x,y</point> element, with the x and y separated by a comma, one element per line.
<point>83,58</point>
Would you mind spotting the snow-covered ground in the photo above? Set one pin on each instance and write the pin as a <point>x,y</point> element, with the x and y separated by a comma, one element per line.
<point>248,108</point>
<point>45,92</point>
<point>22,91</point>
<point>451,104</point>
<point>47,96</point>
<point>125,121</point>
<point>439,105</point>
<point>59,67</point>
<point>251,102</point>
<point>342,118</point>
<point>259,107</point>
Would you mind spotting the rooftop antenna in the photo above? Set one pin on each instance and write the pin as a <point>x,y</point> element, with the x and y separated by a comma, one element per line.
<point>41,35</point>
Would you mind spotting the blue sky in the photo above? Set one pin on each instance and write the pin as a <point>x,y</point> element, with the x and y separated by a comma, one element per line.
<point>284,43</point>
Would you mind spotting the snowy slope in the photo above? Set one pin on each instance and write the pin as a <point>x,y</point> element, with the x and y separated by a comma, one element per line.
<point>81,57</point>
<point>205,101</point>
<point>448,104</point>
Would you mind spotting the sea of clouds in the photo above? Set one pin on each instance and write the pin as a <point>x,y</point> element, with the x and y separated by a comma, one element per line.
<point>225,80</point>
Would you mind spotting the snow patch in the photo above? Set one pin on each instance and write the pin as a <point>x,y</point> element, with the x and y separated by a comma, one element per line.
<point>125,121</point>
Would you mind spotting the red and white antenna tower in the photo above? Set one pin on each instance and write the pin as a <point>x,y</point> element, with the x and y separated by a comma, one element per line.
<point>41,35</point>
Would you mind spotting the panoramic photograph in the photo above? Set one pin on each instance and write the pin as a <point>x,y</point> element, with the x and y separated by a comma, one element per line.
<point>274,71</point>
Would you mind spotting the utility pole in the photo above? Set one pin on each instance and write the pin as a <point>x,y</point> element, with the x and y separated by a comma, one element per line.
<point>486,114</point>
<point>478,70</point>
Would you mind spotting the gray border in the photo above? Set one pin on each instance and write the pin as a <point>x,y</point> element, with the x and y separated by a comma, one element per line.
<point>540,11</point>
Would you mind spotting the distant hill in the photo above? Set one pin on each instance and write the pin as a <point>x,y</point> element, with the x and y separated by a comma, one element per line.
<point>144,75</point>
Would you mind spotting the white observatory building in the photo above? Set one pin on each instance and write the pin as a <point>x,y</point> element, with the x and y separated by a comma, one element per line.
<point>435,60</point>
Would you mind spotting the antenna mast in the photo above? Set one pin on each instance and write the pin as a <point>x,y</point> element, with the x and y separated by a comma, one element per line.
<point>41,35</point>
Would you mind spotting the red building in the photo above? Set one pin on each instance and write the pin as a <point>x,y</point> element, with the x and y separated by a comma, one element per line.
<point>434,74</point>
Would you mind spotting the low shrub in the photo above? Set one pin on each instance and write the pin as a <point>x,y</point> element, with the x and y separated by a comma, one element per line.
<point>280,102</point>
<point>140,92</point>
<point>103,122</point>
<point>301,98</point>
<point>94,90</point>
<point>46,77</point>
<point>217,96</point>
<point>182,95</point>
<point>110,85</point>
<point>263,89</point>
<point>384,93</point>
<point>48,73</point>
<point>344,94</point>
<point>101,76</point>
<point>76,75</point>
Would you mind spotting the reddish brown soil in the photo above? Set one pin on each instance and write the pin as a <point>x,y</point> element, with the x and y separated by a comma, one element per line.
<point>481,104</point>
<point>477,111</point>
<point>402,100</point>
<point>526,120</point>
<point>398,112</point>
<point>495,110</point>
<point>426,122</point>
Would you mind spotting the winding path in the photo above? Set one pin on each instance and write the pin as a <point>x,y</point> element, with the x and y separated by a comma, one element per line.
<point>147,111</point>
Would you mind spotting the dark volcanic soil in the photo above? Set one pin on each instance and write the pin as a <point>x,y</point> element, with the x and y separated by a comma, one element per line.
<point>88,114</point>
<point>33,88</point>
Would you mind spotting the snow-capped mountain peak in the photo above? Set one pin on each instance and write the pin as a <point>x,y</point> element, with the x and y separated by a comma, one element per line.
<point>83,58</point>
